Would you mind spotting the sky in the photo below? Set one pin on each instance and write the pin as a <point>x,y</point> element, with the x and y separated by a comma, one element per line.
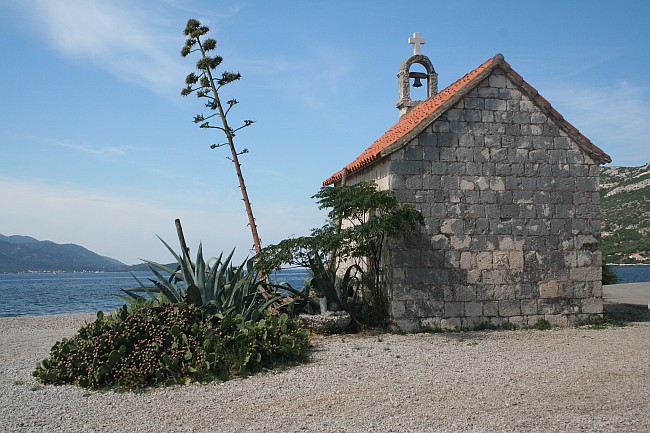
<point>98,148</point>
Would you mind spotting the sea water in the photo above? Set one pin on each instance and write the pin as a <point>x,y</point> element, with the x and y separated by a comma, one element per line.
<point>69,293</point>
<point>37,294</point>
<point>631,273</point>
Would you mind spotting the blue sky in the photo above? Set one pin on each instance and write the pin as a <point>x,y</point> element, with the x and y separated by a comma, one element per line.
<point>99,149</point>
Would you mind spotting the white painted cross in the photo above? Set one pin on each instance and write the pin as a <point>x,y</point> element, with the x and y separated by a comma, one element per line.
<point>416,41</point>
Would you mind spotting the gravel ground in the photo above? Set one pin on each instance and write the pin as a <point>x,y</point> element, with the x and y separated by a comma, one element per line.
<point>558,380</point>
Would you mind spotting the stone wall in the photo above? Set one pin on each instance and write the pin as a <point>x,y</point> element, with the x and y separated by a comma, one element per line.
<point>512,218</point>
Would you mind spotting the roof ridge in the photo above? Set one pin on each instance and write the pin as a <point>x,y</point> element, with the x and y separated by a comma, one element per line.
<point>413,122</point>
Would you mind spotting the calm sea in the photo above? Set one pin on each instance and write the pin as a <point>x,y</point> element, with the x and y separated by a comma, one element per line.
<point>68,293</point>
<point>632,273</point>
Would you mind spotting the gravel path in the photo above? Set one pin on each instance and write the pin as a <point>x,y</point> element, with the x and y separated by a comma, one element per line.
<point>559,380</point>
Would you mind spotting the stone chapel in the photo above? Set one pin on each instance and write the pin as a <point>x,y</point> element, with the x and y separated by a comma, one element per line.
<point>509,192</point>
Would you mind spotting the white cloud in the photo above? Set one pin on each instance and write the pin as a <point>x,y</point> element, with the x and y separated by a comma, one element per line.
<point>125,228</point>
<point>615,117</point>
<point>100,152</point>
<point>126,39</point>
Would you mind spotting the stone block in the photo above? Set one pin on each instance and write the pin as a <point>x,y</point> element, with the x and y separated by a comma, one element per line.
<point>567,289</point>
<point>451,324</point>
<point>452,226</point>
<point>465,293</point>
<point>465,154</point>
<point>586,274</point>
<point>468,259</point>
<point>559,320</point>
<point>461,242</point>
<point>430,323</point>
<point>497,322</point>
<point>482,155</point>
<point>597,289</point>
<point>405,325</point>
<point>397,308</point>
<point>497,184</point>
<point>474,102</point>
<point>526,105</point>
<point>484,260</point>
<point>582,290</point>
<point>473,309</point>
<point>454,309</point>
<point>488,92</point>
<point>587,184</point>
<point>529,307</point>
<point>487,116</point>
<point>516,259</point>
<point>533,318</point>
<point>552,306</point>
<point>509,308</point>
<point>452,259</point>
<point>506,291</point>
<point>490,308</point>
<point>440,126</point>
<point>591,306</point>
<point>466,184</point>
<point>518,321</point>
<point>497,80</point>
<point>495,104</point>
<point>495,276</point>
<point>425,308</point>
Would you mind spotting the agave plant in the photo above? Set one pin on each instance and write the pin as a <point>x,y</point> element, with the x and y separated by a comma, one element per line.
<point>215,285</point>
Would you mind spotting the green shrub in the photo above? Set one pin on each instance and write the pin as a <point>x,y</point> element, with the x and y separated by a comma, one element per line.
<point>171,344</point>
<point>600,322</point>
<point>608,275</point>
<point>542,325</point>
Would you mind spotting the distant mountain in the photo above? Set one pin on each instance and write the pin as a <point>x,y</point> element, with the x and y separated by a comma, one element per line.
<point>24,253</point>
<point>625,207</point>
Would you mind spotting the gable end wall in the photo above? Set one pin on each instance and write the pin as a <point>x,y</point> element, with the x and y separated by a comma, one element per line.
<point>512,215</point>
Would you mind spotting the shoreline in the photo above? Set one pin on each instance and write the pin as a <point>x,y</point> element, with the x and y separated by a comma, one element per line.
<point>622,293</point>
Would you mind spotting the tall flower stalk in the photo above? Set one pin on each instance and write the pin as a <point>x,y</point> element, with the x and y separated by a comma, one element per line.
<point>207,86</point>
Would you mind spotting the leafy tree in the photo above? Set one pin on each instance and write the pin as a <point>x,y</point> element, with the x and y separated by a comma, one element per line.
<point>207,85</point>
<point>361,219</point>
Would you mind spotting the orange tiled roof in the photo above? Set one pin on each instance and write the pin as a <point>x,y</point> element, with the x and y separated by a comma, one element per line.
<point>435,105</point>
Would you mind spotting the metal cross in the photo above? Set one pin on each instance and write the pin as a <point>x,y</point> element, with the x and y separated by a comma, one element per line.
<point>416,41</point>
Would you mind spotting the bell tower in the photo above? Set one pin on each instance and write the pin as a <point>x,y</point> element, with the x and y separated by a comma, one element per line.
<point>405,75</point>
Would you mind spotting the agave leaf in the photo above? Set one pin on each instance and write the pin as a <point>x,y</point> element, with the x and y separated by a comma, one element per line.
<point>170,292</point>
<point>296,292</point>
<point>225,265</point>
<point>130,300</point>
<point>212,279</point>
<point>270,302</point>
<point>193,294</point>
<point>200,276</point>
<point>221,287</point>
<point>158,265</point>
<point>185,263</point>
<point>151,291</point>
<point>178,259</point>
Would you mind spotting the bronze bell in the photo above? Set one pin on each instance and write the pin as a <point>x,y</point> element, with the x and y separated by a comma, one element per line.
<point>417,76</point>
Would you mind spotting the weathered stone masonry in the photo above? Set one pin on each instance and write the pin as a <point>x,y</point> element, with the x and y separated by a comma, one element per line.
<point>512,218</point>
<point>511,205</point>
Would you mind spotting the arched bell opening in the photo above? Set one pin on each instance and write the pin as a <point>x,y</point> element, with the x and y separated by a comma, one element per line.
<point>417,78</point>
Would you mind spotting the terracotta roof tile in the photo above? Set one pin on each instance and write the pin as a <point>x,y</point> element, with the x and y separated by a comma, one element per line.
<point>437,103</point>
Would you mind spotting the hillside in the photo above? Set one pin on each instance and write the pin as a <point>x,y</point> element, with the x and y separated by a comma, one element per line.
<point>625,207</point>
<point>23,253</point>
